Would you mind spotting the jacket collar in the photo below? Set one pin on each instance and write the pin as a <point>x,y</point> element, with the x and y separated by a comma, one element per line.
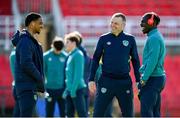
<point>73,51</point>
<point>33,39</point>
<point>152,31</point>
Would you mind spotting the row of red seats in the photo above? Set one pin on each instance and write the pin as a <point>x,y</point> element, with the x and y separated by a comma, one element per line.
<point>94,7</point>
<point>108,7</point>
<point>40,6</point>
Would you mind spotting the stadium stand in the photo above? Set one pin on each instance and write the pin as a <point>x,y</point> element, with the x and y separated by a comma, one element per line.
<point>91,17</point>
<point>6,31</point>
<point>6,23</point>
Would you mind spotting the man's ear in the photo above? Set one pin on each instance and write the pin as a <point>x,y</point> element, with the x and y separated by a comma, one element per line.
<point>155,23</point>
<point>33,23</point>
<point>124,24</point>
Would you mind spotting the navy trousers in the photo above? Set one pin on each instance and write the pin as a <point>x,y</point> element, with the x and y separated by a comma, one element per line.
<point>55,95</point>
<point>108,112</point>
<point>150,97</point>
<point>27,103</point>
<point>107,89</point>
<point>77,103</point>
<point>87,100</point>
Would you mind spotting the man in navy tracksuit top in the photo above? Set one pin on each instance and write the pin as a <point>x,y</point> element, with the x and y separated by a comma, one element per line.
<point>116,49</point>
<point>29,66</point>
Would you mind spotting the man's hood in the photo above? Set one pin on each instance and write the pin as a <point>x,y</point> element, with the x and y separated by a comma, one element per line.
<point>16,38</point>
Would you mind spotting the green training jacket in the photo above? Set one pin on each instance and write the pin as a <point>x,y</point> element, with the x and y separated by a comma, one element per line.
<point>153,55</point>
<point>75,72</point>
<point>54,69</point>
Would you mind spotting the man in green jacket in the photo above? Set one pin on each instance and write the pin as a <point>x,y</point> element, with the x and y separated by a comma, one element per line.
<point>153,75</point>
<point>75,84</point>
<point>54,61</point>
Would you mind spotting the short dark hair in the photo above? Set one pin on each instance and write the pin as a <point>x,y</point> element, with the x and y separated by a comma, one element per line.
<point>73,38</point>
<point>148,15</point>
<point>58,43</point>
<point>31,17</point>
<point>120,15</point>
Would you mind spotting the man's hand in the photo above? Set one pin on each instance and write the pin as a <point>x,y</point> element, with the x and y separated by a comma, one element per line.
<point>73,94</point>
<point>65,94</point>
<point>138,85</point>
<point>40,94</point>
<point>43,95</point>
<point>143,83</point>
<point>92,87</point>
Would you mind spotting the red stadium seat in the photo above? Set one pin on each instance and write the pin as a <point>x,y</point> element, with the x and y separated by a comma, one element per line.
<point>6,7</point>
<point>40,6</point>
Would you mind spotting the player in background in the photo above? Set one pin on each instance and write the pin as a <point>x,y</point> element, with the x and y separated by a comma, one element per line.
<point>54,60</point>
<point>75,85</point>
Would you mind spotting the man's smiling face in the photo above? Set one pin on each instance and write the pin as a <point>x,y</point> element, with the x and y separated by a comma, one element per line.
<point>144,25</point>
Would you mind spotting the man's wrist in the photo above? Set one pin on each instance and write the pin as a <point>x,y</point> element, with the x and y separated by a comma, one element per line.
<point>138,85</point>
<point>90,82</point>
<point>143,82</point>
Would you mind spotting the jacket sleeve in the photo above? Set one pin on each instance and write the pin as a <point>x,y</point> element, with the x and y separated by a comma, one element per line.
<point>45,64</point>
<point>45,67</point>
<point>40,86</point>
<point>26,59</point>
<point>96,58</point>
<point>98,73</point>
<point>12,63</point>
<point>78,73</point>
<point>135,60</point>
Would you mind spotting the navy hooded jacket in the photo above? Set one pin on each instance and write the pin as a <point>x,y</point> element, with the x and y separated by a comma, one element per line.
<point>28,63</point>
